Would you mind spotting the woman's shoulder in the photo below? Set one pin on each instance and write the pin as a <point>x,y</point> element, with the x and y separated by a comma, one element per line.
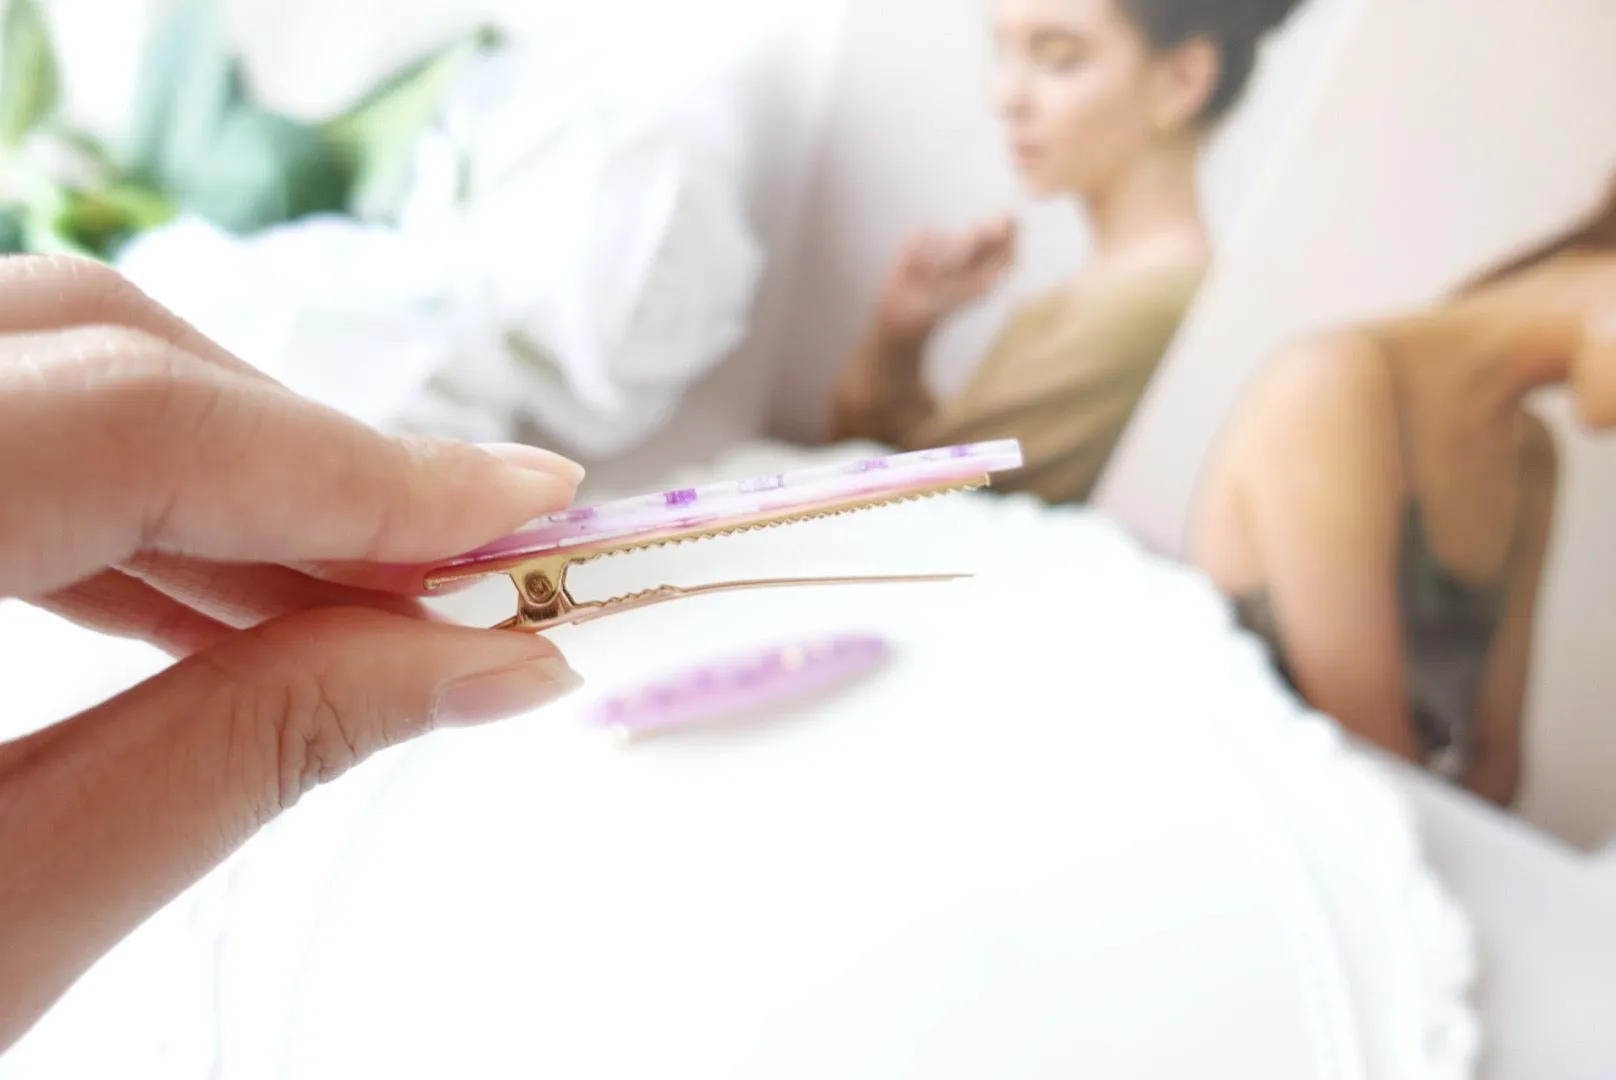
<point>1320,397</point>
<point>1344,368</point>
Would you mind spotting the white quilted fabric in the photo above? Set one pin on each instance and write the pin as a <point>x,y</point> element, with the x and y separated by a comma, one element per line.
<point>1075,829</point>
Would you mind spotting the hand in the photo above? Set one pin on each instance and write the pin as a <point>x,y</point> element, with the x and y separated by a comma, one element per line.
<point>935,275</point>
<point>153,486</point>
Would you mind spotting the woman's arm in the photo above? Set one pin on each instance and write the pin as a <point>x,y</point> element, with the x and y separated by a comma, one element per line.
<point>1324,506</point>
<point>1593,370</point>
<point>882,394</point>
<point>1495,772</point>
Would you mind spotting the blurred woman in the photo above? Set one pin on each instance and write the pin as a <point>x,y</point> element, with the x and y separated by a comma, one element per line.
<point>1107,102</point>
<point>1382,502</point>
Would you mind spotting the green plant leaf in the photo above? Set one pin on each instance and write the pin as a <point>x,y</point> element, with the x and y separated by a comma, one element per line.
<point>29,82</point>
<point>139,208</point>
<point>410,96</point>
<point>46,224</point>
<point>188,82</point>
<point>103,221</point>
<point>377,136</point>
<point>197,140</point>
<point>45,238</point>
<point>85,144</point>
<point>263,169</point>
<point>13,239</point>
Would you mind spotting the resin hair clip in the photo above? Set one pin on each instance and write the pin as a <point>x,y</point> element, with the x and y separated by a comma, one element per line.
<point>741,686</point>
<point>537,557</point>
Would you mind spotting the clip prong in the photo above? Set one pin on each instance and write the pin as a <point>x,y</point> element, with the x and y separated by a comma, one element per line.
<point>545,602</point>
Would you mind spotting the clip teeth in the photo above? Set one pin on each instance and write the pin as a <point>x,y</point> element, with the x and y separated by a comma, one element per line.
<point>793,519</point>
<point>541,579</point>
<point>547,602</point>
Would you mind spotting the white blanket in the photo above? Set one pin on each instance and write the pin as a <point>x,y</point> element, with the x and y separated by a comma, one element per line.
<point>1075,829</point>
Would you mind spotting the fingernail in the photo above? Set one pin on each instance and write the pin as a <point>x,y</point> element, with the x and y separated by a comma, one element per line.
<point>495,695</point>
<point>536,459</point>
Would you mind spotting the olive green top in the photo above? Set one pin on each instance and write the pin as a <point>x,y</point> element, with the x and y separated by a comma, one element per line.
<point>1064,378</point>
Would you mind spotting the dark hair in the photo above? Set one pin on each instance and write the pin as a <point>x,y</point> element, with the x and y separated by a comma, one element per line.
<point>1595,232</point>
<point>1235,27</point>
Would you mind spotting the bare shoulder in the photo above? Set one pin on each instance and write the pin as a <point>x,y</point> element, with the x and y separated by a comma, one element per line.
<point>1313,411</point>
<point>1332,392</point>
<point>1311,464</point>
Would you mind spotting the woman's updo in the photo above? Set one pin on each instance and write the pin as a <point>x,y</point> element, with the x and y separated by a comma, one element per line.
<point>1235,27</point>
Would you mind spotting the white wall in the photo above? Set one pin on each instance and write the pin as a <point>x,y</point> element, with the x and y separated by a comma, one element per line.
<point>912,142</point>
<point>1447,132</point>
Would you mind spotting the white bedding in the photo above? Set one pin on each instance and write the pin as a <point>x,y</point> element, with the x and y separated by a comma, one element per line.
<point>1076,829</point>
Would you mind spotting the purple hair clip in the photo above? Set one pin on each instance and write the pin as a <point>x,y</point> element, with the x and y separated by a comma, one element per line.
<point>537,557</point>
<point>741,686</point>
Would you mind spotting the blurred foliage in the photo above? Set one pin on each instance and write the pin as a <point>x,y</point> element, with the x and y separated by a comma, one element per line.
<point>11,233</point>
<point>198,144</point>
<point>28,78</point>
<point>196,135</point>
<point>377,136</point>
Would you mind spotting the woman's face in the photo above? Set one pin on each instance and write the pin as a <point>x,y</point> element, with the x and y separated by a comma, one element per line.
<point>1079,91</point>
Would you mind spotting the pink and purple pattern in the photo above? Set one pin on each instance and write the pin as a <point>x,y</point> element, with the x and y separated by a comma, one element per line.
<point>712,504</point>
<point>742,685</point>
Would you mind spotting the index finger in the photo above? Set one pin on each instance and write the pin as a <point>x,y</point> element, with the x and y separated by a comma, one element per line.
<point>40,293</point>
<point>113,442</point>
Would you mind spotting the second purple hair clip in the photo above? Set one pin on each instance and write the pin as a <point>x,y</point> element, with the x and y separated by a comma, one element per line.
<point>741,687</point>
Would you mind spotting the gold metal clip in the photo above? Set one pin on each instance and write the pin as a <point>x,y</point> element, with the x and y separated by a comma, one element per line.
<point>544,600</point>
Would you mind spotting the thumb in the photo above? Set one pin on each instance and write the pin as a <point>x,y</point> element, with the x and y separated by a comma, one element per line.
<point>108,816</point>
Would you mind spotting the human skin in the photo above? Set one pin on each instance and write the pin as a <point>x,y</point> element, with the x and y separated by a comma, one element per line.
<point>1305,496</point>
<point>156,487</point>
<point>1091,114</point>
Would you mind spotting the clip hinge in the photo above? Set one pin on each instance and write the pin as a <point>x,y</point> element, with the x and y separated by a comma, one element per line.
<point>544,601</point>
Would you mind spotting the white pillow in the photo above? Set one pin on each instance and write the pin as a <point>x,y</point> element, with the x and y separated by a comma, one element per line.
<point>594,220</point>
<point>574,249</point>
<point>1075,829</point>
